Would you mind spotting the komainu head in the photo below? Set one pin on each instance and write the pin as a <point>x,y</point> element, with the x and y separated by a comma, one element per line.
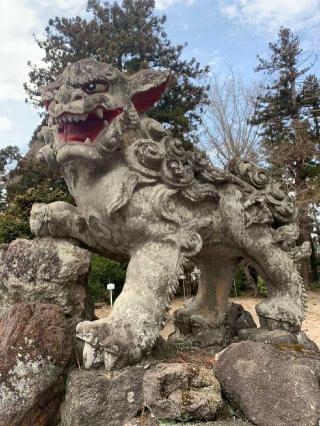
<point>89,96</point>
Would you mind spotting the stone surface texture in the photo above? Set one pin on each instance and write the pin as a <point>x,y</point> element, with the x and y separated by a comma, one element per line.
<point>153,422</point>
<point>182,392</point>
<point>270,386</point>
<point>46,271</point>
<point>97,398</point>
<point>35,349</point>
<point>277,337</point>
<point>217,423</point>
<point>141,196</point>
<point>201,334</point>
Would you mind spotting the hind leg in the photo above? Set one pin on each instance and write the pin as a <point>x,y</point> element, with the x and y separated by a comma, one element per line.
<point>285,305</point>
<point>207,309</point>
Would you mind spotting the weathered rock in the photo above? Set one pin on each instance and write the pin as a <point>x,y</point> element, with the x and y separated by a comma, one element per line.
<point>144,420</point>
<point>35,348</point>
<point>46,271</point>
<point>277,337</point>
<point>97,398</point>
<point>182,392</point>
<point>197,330</point>
<point>271,387</point>
<point>217,423</point>
<point>153,422</point>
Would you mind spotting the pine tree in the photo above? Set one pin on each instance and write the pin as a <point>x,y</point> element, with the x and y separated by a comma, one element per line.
<point>131,37</point>
<point>288,112</point>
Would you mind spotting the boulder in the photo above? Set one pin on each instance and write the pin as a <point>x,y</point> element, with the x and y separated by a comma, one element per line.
<point>153,422</point>
<point>99,398</point>
<point>271,386</point>
<point>182,392</point>
<point>35,349</point>
<point>46,271</point>
<point>277,337</point>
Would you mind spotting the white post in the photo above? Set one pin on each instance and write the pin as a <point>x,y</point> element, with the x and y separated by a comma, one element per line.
<point>111,287</point>
<point>235,288</point>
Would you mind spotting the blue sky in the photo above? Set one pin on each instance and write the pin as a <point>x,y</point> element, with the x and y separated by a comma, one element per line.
<point>218,32</point>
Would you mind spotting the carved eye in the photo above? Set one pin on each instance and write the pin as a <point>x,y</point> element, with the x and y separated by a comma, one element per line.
<point>95,87</point>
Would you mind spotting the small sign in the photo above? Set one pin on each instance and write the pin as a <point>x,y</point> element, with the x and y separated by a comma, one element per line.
<point>111,286</point>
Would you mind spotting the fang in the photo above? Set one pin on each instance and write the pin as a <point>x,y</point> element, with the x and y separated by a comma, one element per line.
<point>99,113</point>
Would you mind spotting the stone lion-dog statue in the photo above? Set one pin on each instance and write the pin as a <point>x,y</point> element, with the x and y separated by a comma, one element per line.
<point>141,196</point>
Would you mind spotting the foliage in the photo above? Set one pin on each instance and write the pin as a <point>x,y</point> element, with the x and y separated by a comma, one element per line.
<point>103,272</point>
<point>263,291</point>
<point>8,155</point>
<point>131,37</point>
<point>288,113</point>
<point>30,182</point>
<point>242,286</point>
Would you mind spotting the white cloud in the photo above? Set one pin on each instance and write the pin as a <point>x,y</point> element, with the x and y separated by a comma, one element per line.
<point>271,14</point>
<point>19,20</point>
<point>164,4</point>
<point>64,5</point>
<point>5,123</point>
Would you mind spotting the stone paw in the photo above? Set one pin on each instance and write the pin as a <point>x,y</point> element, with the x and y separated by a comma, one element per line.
<point>39,220</point>
<point>188,321</point>
<point>107,343</point>
<point>277,314</point>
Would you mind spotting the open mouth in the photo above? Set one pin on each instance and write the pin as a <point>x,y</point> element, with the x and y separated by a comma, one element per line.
<point>85,127</point>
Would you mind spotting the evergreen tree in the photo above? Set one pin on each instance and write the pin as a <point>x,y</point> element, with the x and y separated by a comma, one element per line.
<point>8,155</point>
<point>130,37</point>
<point>288,112</point>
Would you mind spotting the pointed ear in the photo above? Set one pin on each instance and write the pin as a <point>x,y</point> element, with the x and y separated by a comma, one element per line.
<point>147,87</point>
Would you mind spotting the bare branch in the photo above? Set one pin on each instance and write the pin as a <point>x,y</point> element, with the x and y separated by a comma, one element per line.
<point>226,128</point>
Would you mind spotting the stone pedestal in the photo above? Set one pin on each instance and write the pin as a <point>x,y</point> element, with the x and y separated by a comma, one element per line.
<point>42,297</point>
<point>35,350</point>
<point>46,270</point>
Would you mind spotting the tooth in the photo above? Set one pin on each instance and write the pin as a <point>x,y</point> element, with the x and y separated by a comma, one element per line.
<point>106,123</point>
<point>88,140</point>
<point>99,112</point>
<point>85,116</point>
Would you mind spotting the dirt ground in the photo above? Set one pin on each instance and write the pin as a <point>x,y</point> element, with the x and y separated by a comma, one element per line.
<point>311,325</point>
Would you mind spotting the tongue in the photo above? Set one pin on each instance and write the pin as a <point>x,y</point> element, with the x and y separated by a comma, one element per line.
<point>82,130</point>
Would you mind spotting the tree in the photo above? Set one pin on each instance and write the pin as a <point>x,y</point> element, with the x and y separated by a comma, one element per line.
<point>228,131</point>
<point>131,37</point>
<point>8,156</point>
<point>103,272</point>
<point>28,183</point>
<point>288,112</point>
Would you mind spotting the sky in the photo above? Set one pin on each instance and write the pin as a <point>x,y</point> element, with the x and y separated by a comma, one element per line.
<point>220,33</point>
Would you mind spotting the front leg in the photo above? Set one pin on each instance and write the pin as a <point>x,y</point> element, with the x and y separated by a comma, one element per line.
<point>138,313</point>
<point>60,220</point>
